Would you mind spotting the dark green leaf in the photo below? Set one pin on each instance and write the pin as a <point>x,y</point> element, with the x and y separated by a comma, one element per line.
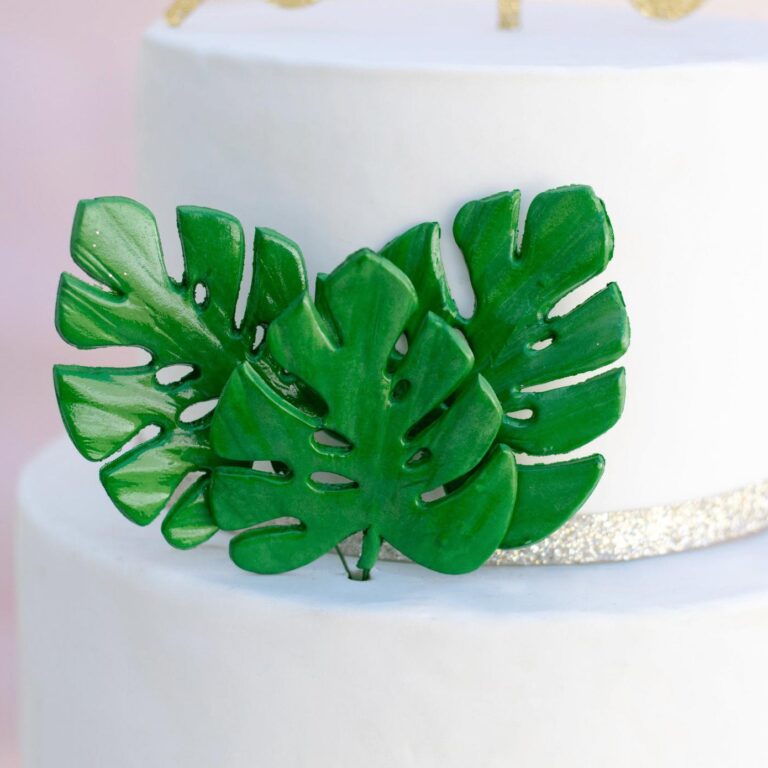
<point>517,341</point>
<point>548,495</point>
<point>342,350</point>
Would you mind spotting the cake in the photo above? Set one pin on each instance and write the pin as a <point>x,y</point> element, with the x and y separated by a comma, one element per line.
<point>341,125</point>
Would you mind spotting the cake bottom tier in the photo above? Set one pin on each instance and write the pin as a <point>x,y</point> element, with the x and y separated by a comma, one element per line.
<point>136,655</point>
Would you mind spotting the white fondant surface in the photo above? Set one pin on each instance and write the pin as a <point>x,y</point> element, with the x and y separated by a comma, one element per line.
<point>454,34</point>
<point>344,124</point>
<point>134,654</point>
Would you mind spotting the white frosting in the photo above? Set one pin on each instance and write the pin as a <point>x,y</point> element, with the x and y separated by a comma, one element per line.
<point>453,34</point>
<point>344,124</point>
<point>134,654</point>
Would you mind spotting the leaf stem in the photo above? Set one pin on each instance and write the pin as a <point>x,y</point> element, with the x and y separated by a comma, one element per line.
<point>344,562</point>
<point>370,552</point>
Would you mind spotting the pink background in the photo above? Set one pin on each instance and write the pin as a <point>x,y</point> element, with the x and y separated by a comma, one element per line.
<point>67,93</point>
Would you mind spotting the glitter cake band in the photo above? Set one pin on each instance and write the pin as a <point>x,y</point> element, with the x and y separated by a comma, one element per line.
<point>606,537</point>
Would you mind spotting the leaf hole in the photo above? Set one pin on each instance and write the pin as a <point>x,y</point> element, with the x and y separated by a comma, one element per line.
<point>564,381</point>
<point>330,481</point>
<point>543,344</point>
<point>258,337</point>
<point>433,495</point>
<point>186,483</point>
<point>280,522</point>
<point>281,469</point>
<point>201,294</point>
<point>399,352</point>
<point>198,411</point>
<point>401,390</point>
<point>330,439</point>
<point>144,435</point>
<point>424,422</point>
<point>524,414</point>
<point>173,374</point>
<point>269,467</point>
<point>422,456</point>
<point>244,291</point>
<point>576,297</point>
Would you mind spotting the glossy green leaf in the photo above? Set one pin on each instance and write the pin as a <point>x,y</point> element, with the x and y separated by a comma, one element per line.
<point>190,522</point>
<point>188,323</point>
<point>519,343</point>
<point>400,434</point>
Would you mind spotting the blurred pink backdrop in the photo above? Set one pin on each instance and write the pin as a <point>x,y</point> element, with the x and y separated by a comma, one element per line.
<point>67,94</point>
<point>67,91</point>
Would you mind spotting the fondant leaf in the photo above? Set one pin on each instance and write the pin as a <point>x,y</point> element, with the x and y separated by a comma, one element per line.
<point>189,323</point>
<point>401,433</point>
<point>189,522</point>
<point>562,419</point>
<point>417,253</point>
<point>547,495</point>
<point>517,340</point>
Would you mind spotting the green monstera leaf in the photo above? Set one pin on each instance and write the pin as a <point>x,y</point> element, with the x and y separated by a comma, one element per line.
<point>402,426</point>
<point>521,348</point>
<point>188,323</point>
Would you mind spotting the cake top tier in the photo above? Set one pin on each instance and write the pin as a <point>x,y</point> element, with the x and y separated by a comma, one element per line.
<point>461,33</point>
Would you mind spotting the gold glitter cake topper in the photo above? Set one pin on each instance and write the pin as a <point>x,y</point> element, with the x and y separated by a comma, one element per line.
<point>182,8</point>
<point>669,10</point>
<point>509,10</point>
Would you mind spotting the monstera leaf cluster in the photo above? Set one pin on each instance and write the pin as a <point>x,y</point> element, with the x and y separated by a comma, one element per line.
<point>375,408</point>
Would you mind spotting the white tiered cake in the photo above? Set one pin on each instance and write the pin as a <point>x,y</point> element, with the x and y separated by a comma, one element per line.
<point>137,655</point>
<point>342,125</point>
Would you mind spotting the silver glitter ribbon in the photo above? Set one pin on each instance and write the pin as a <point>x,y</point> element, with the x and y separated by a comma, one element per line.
<point>604,537</point>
